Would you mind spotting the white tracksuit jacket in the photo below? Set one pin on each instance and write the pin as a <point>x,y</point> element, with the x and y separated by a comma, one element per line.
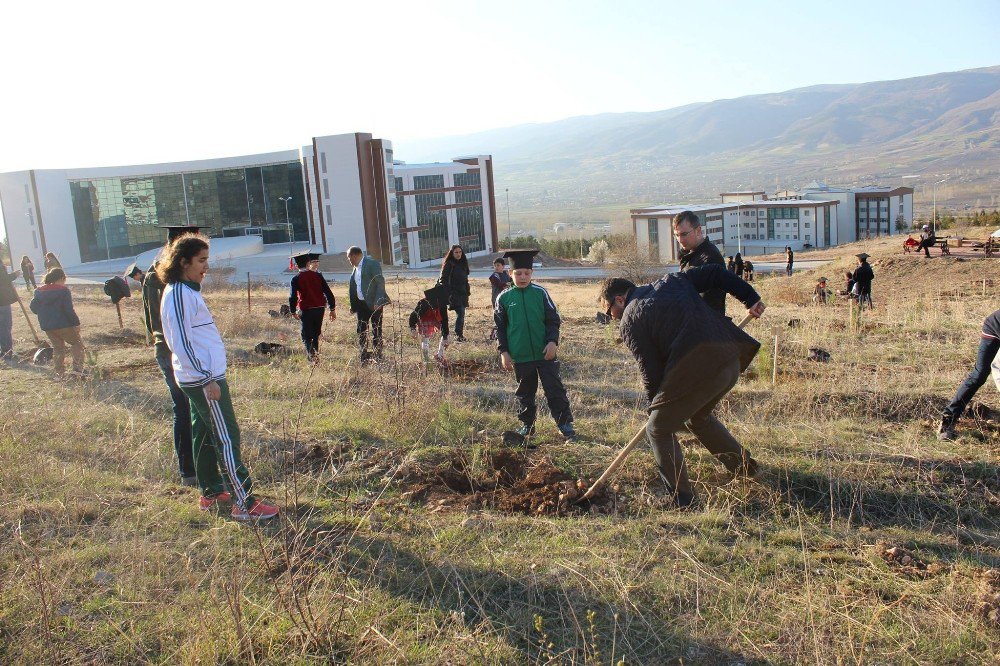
<point>190,332</point>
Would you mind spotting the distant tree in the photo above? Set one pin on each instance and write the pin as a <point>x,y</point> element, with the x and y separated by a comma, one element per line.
<point>599,252</point>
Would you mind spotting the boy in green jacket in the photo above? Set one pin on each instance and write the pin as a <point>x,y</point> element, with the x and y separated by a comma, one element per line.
<point>527,336</point>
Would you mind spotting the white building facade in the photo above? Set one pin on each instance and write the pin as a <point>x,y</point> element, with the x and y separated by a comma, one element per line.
<point>752,223</point>
<point>336,192</point>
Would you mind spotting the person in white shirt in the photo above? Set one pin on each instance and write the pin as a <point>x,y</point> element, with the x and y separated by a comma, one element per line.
<point>199,362</point>
<point>368,297</point>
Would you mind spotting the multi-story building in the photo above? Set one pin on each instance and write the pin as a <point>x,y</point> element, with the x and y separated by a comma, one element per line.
<point>337,192</point>
<point>753,223</point>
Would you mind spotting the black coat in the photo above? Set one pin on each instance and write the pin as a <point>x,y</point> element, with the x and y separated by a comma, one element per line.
<point>455,278</point>
<point>863,276</point>
<point>707,254</point>
<point>671,331</point>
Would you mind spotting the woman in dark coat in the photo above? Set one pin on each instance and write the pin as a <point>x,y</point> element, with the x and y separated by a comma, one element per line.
<point>455,278</point>
<point>28,272</point>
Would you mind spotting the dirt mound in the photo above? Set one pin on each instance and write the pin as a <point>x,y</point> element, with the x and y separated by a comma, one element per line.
<point>507,482</point>
<point>465,369</point>
<point>906,563</point>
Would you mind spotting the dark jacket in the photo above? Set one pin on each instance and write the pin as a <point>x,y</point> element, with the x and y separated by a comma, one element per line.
<point>707,254</point>
<point>863,276</point>
<point>53,304</point>
<point>372,285</point>
<point>152,294</point>
<point>455,278</point>
<point>498,282</point>
<point>8,294</point>
<point>429,317</point>
<point>672,332</point>
<point>991,326</point>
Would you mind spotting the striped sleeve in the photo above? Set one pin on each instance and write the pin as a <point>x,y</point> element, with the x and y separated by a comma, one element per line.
<point>177,314</point>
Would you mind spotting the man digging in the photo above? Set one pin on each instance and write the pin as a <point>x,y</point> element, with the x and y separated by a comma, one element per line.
<point>690,357</point>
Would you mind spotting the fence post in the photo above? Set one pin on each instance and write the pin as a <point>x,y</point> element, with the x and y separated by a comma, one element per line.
<point>248,291</point>
<point>774,363</point>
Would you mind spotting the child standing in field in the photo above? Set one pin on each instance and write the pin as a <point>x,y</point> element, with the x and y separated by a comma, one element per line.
<point>53,304</point>
<point>308,300</point>
<point>199,362</point>
<point>527,337</point>
<point>429,317</point>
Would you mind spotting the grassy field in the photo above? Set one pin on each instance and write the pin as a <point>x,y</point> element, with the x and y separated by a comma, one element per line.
<point>404,538</point>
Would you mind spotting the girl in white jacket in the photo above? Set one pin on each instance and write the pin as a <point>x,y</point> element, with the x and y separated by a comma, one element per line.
<point>199,362</point>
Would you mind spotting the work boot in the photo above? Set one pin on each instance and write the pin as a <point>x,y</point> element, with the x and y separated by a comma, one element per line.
<point>946,431</point>
<point>567,431</point>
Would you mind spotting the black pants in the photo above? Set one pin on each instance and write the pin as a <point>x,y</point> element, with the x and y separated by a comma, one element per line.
<point>527,375</point>
<point>925,245</point>
<point>365,318</point>
<point>459,320</point>
<point>687,399</point>
<point>988,349</point>
<point>312,327</point>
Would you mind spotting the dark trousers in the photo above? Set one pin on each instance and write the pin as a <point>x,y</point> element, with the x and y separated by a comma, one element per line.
<point>312,327</point>
<point>182,418</point>
<point>684,399</point>
<point>29,279</point>
<point>527,375</point>
<point>6,330</point>
<point>925,245</point>
<point>365,318</point>
<point>988,349</point>
<point>459,320</point>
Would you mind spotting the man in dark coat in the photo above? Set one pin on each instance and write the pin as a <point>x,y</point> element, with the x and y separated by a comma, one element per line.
<point>8,296</point>
<point>863,276</point>
<point>366,290</point>
<point>697,250</point>
<point>690,358</point>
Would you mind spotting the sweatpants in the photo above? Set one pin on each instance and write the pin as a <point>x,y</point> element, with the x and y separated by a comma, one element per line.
<point>215,440</point>
<point>312,327</point>
<point>182,418</point>
<point>681,401</point>
<point>988,348</point>
<point>60,338</point>
<point>366,317</point>
<point>527,375</point>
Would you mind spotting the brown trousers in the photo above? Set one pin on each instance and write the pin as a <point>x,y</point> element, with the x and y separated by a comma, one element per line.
<point>60,337</point>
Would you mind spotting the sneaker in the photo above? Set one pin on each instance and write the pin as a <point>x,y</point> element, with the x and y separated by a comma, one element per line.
<point>259,511</point>
<point>459,338</point>
<point>946,431</point>
<point>568,432</point>
<point>206,503</point>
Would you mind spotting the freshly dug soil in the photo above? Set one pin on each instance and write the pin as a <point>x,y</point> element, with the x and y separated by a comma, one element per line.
<point>509,483</point>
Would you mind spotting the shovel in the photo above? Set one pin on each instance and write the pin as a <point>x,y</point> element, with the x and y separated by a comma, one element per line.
<point>620,458</point>
<point>39,345</point>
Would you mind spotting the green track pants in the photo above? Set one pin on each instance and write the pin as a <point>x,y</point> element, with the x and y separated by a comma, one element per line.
<point>215,439</point>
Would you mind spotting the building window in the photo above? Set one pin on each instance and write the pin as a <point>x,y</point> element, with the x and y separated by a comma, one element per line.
<point>653,226</point>
<point>429,183</point>
<point>462,179</point>
<point>806,225</point>
<point>329,216</point>
<point>322,161</point>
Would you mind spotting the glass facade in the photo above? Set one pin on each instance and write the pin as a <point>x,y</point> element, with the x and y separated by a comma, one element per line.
<point>471,234</point>
<point>783,213</point>
<point>653,225</point>
<point>118,217</point>
<point>434,239</point>
<point>404,238</point>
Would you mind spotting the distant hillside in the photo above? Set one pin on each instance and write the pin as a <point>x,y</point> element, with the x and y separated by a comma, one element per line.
<point>843,133</point>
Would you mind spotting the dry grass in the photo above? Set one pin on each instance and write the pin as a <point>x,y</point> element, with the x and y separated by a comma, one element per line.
<point>105,560</point>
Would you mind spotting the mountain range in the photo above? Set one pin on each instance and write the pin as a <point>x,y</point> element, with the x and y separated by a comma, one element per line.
<point>844,133</point>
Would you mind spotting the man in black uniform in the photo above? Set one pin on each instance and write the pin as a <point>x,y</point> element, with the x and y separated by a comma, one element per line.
<point>690,358</point>
<point>699,251</point>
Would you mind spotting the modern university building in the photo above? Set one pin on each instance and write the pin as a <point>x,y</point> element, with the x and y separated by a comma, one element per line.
<point>340,191</point>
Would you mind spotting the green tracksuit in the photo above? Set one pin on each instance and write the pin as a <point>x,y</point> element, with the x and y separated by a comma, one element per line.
<point>217,439</point>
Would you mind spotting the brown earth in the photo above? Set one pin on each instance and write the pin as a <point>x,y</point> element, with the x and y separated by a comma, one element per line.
<point>509,483</point>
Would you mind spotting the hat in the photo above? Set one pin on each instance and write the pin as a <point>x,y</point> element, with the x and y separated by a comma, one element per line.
<point>175,231</point>
<point>822,279</point>
<point>925,227</point>
<point>302,259</point>
<point>132,270</point>
<point>436,295</point>
<point>521,258</point>
<point>862,256</point>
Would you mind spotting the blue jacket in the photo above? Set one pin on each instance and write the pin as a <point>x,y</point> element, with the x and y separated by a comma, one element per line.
<point>53,304</point>
<point>674,334</point>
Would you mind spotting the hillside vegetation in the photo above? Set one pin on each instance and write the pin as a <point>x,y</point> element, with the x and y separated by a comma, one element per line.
<point>410,535</point>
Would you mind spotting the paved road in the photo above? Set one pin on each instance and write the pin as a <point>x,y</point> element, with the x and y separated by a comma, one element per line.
<point>270,269</point>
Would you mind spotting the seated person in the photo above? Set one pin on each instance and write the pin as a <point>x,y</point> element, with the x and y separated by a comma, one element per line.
<point>821,294</point>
